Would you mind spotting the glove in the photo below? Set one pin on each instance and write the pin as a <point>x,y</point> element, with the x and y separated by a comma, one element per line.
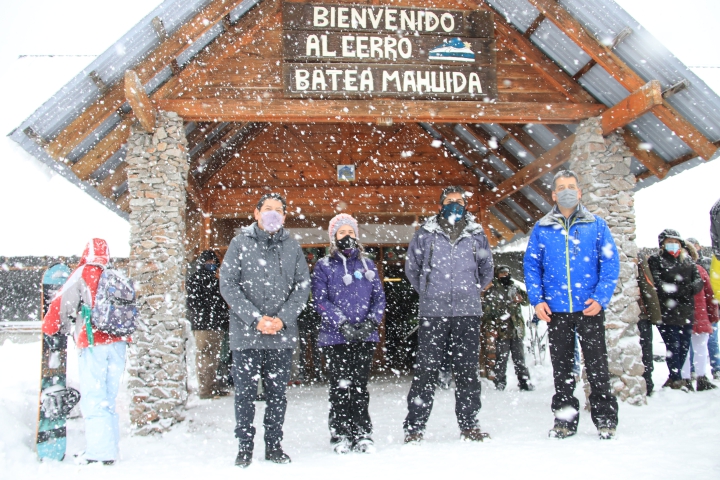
<point>365,329</point>
<point>349,332</point>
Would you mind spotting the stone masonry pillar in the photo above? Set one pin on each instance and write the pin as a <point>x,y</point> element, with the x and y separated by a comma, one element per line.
<point>603,166</point>
<point>157,179</point>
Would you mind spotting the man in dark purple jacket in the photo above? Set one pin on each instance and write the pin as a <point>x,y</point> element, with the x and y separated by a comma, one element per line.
<point>449,263</point>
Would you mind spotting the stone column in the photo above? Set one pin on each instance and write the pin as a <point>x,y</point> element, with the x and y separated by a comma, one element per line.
<point>157,179</point>
<point>603,165</point>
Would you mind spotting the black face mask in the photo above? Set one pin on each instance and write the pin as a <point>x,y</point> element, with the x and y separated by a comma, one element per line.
<point>346,243</point>
<point>506,280</point>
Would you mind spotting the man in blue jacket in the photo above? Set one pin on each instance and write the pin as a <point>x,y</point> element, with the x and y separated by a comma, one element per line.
<point>448,263</point>
<point>571,268</point>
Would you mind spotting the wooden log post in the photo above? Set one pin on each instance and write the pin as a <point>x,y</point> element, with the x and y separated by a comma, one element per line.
<point>157,179</point>
<point>139,101</point>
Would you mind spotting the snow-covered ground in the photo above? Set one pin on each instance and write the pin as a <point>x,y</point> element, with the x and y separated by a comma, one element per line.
<point>675,436</point>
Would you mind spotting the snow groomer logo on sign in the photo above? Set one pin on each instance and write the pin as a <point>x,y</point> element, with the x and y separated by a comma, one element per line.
<point>361,51</point>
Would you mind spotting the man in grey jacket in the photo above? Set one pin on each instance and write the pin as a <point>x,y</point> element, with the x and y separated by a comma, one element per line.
<point>449,263</point>
<point>265,280</point>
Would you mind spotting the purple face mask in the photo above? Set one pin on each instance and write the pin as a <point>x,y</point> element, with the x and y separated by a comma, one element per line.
<point>271,221</point>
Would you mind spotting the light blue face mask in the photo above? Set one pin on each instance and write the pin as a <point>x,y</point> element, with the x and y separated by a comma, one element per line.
<point>672,247</point>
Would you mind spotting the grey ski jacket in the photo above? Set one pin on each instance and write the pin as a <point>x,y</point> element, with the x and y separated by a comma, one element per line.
<point>264,275</point>
<point>449,277</point>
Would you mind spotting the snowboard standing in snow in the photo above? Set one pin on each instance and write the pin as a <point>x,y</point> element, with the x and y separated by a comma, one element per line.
<point>56,400</point>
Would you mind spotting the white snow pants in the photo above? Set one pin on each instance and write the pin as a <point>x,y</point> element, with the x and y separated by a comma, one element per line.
<point>100,369</point>
<point>700,356</point>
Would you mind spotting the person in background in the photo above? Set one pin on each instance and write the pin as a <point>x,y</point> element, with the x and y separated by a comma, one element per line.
<point>503,313</point>
<point>713,347</point>
<point>264,278</point>
<point>706,315</point>
<point>571,269</point>
<point>349,297</point>
<point>449,264</point>
<point>677,280</point>
<point>101,357</point>
<point>209,319</point>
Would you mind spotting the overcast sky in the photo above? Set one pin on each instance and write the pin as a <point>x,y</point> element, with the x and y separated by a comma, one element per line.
<point>43,214</point>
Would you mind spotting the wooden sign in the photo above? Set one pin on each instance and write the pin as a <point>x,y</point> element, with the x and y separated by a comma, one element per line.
<point>365,51</point>
<point>388,18</point>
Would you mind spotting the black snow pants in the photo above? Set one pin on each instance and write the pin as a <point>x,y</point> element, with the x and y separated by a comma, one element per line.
<point>646,339</point>
<point>348,370</point>
<point>591,333</point>
<point>460,336</point>
<point>504,348</point>
<point>249,366</point>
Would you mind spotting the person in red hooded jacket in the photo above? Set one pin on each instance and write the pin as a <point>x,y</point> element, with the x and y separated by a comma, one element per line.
<point>706,314</point>
<point>101,360</point>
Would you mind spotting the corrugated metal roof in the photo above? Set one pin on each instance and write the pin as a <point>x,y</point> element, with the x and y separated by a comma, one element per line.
<point>605,19</point>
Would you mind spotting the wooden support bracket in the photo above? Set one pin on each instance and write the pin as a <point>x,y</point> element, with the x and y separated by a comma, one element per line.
<point>139,101</point>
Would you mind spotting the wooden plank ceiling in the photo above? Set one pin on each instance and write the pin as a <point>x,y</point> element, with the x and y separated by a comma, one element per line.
<point>245,138</point>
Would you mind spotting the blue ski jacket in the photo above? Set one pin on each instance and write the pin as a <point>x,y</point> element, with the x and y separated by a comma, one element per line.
<point>569,261</point>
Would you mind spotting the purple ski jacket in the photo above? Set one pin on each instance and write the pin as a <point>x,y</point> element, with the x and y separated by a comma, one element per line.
<point>338,303</point>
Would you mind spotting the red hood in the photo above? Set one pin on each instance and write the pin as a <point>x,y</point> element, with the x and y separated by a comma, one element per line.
<point>96,253</point>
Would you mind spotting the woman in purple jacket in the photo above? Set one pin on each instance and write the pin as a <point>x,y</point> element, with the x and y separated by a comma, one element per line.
<point>349,297</point>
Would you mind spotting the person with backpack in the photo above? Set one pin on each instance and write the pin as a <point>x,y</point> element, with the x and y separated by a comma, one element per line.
<point>264,278</point>
<point>101,354</point>
<point>209,319</point>
<point>677,281</point>
<point>449,264</point>
<point>350,299</point>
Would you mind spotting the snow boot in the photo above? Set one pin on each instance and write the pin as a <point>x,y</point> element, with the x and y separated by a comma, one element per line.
<point>606,433</point>
<point>704,384</point>
<point>80,459</point>
<point>363,445</point>
<point>688,387</point>
<point>275,454</point>
<point>561,430</point>
<point>473,435</point>
<point>244,458</point>
<point>413,438</point>
<point>526,386</point>
<point>716,375</point>
<point>499,386</point>
<point>340,444</point>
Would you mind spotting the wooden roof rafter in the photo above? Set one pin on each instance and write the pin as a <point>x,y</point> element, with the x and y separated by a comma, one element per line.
<point>520,222</point>
<point>95,114</point>
<point>626,76</point>
<point>632,107</point>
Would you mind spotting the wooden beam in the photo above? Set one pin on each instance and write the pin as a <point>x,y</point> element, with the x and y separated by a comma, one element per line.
<point>105,148</point>
<point>632,107</point>
<point>240,135</point>
<point>195,194</point>
<point>113,180</point>
<point>124,202</point>
<point>139,101</point>
<point>509,159</point>
<point>498,225</point>
<point>625,75</point>
<point>401,111</point>
<point>99,111</point>
<point>239,202</point>
<point>545,67</point>
<point>651,160</point>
